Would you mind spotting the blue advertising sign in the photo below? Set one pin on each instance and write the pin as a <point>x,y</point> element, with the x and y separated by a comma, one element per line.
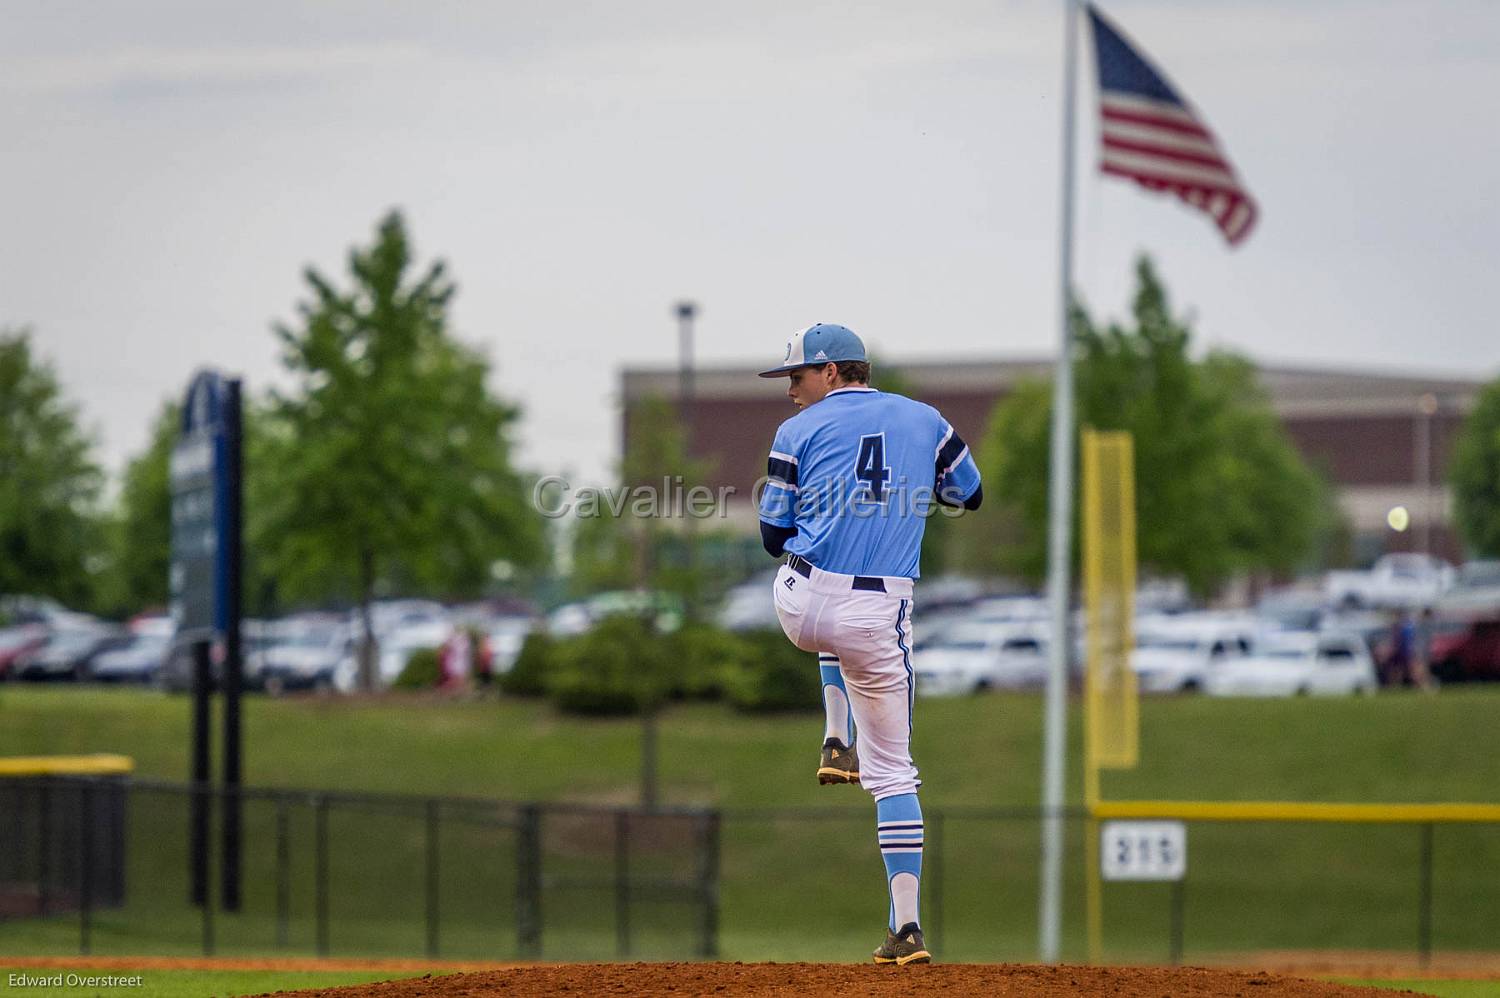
<point>200,474</point>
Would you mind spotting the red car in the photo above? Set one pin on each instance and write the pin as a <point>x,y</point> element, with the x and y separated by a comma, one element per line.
<point>1466,649</point>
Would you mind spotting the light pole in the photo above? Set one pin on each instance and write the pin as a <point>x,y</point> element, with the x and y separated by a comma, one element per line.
<point>686,312</point>
<point>1059,540</point>
<point>1427,407</point>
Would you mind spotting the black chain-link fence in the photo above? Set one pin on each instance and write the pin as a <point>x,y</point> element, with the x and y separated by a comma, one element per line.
<point>106,865</point>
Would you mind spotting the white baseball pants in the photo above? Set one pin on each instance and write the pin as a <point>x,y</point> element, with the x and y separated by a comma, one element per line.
<point>870,632</point>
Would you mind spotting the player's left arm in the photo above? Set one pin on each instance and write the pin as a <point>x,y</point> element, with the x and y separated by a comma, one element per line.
<point>955,475</point>
<point>778,500</point>
<point>774,538</point>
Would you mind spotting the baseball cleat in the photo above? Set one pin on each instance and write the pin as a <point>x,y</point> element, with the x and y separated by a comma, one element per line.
<point>903,947</point>
<point>839,764</point>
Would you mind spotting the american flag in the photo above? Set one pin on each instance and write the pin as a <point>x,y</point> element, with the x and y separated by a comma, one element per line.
<point>1149,134</point>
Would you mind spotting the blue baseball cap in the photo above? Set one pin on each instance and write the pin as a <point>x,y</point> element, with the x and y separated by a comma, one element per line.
<point>822,343</point>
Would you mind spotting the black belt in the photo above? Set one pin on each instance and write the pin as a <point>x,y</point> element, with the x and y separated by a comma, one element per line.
<point>803,567</point>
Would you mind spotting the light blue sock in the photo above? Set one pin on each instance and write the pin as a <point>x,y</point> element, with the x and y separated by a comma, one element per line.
<point>898,823</point>
<point>837,717</point>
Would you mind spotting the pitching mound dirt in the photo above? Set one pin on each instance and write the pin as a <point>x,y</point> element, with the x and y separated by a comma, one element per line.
<point>783,980</point>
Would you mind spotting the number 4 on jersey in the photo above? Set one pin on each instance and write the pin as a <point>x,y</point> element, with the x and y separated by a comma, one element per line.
<point>870,466</point>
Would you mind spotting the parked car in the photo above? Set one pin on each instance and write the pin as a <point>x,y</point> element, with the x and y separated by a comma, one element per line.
<point>176,673</point>
<point>1295,608</point>
<point>1477,591</point>
<point>1007,609</point>
<point>748,606</point>
<point>1297,663</point>
<point>18,641</point>
<point>388,616</point>
<point>1175,654</point>
<point>928,626</point>
<point>140,658</point>
<point>1465,648</point>
<point>977,656</point>
<point>1397,581</point>
<point>396,647</point>
<point>68,652</point>
<point>303,656</point>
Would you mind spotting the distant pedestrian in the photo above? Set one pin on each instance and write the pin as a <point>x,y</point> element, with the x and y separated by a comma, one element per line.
<point>484,659</point>
<point>455,659</point>
<point>1396,668</point>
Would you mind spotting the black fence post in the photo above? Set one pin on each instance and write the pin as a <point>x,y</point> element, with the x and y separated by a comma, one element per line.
<point>118,788</point>
<point>708,881</point>
<point>206,903</point>
<point>44,846</point>
<point>1424,916</point>
<point>933,874</point>
<point>232,820</point>
<point>622,883</point>
<point>432,877</point>
<point>1178,919</point>
<point>321,874</point>
<point>199,803</point>
<point>10,844</point>
<point>85,864</point>
<point>283,874</point>
<point>16,791</point>
<point>529,881</point>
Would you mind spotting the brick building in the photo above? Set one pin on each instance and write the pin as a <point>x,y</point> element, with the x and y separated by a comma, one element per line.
<point>1383,439</point>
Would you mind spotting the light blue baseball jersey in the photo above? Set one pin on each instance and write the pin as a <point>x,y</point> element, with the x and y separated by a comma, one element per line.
<point>856,474</point>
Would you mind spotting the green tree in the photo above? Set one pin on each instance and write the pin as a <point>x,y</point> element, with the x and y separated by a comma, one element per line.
<point>1475,475</point>
<point>51,537</point>
<point>1219,487</point>
<point>387,466</point>
<point>141,534</point>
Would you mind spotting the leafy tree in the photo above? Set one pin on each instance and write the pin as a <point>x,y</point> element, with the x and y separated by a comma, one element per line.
<point>1219,487</point>
<point>50,534</point>
<point>1009,536</point>
<point>388,465</point>
<point>1475,474</point>
<point>141,534</point>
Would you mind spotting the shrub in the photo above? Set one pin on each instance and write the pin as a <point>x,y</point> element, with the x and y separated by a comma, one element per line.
<point>705,655</point>
<point>528,674</point>
<point>773,674</point>
<point>622,666</point>
<point>422,671</point>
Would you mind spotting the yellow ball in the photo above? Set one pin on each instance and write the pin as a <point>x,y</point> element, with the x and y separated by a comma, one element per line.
<point>1398,518</point>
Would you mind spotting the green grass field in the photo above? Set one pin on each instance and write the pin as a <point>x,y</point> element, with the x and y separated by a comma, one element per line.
<point>1442,989</point>
<point>806,886</point>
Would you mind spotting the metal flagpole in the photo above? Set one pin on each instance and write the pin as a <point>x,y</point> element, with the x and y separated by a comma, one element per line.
<point>1059,522</point>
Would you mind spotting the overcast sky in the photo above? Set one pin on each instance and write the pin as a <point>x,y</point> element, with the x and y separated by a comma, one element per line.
<point>170,168</point>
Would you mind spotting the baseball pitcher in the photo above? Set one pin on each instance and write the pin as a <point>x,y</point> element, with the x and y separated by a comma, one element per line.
<point>851,480</point>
